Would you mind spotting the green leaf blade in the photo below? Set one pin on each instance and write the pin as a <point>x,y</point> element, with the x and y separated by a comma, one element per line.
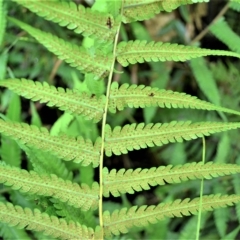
<point>136,96</point>
<point>78,57</point>
<point>42,222</point>
<point>120,221</point>
<point>65,147</point>
<point>75,195</point>
<point>138,51</point>
<point>121,140</point>
<point>139,10</point>
<point>224,33</point>
<point>68,100</point>
<point>74,17</point>
<point>129,181</point>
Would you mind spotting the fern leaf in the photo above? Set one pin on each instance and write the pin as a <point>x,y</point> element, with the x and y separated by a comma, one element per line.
<point>31,182</point>
<point>129,181</point>
<point>120,140</point>
<point>44,162</point>
<point>65,147</point>
<point>145,96</point>
<point>78,57</point>
<point>74,17</point>
<point>223,32</point>
<point>71,213</point>
<point>68,100</point>
<point>140,51</point>
<point>120,221</point>
<point>134,10</point>
<point>42,222</point>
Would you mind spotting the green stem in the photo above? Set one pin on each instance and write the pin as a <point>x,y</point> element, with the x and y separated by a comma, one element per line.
<point>103,130</point>
<point>201,193</point>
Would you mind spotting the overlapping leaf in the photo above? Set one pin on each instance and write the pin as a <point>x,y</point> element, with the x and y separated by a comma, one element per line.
<point>129,181</point>
<point>120,221</point>
<point>75,195</point>
<point>78,57</point>
<point>138,10</point>
<point>42,222</point>
<point>64,147</point>
<point>224,33</point>
<point>75,17</point>
<point>136,96</point>
<point>67,100</point>
<point>140,51</point>
<point>131,137</point>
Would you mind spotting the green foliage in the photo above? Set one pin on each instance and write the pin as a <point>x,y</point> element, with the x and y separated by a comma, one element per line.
<point>122,220</point>
<point>70,101</point>
<point>65,147</point>
<point>33,183</point>
<point>75,56</point>
<point>3,14</point>
<point>134,10</point>
<point>140,51</point>
<point>48,175</point>
<point>77,18</point>
<point>130,137</point>
<point>205,80</point>
<point>224,32</point>
<point>58,228</point>
<point>136,96</point>
<point>123,181</point>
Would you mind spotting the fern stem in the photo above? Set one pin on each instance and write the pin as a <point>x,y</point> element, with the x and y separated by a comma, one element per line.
<point>201,192</point>
<point>104,120</point>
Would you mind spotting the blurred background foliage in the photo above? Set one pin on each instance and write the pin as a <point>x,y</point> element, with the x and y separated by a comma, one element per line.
<point>214,79</point>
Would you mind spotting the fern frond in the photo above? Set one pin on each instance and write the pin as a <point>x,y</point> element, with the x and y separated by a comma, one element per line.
<point>78,57</point>
<point>68,100</point>
<point>42,222</point>
<point>120,221</point>
<point>129,181</point>
<point>136,96</point>
<point>74,17</point>
<point>223,32</point>
<point>31,182</point>
<point>134,10</point>
<point>44,162</point>
<point>120,140</point>
<point>132,52</point>
<point>71,213</point>
<point>65,147</point>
